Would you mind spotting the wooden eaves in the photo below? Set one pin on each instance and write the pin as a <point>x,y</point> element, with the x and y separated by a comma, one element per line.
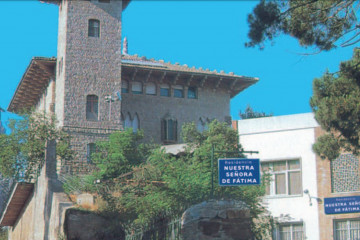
<point>32,84</point>
<point>18,199</point>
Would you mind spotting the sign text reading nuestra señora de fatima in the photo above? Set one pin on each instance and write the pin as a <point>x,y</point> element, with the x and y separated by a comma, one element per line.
<point>242,171</point>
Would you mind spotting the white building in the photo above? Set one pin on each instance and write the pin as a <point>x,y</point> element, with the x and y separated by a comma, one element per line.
<point>285,151</point>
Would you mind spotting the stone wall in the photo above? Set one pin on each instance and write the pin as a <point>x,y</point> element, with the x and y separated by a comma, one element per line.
<point>217,220</point>
<point>87,66</point>
<point>152,108</point>
<point>43,215</point>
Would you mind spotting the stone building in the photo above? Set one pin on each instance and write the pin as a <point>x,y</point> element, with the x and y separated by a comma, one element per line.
<point>95,89</point>
<point>309,197</point>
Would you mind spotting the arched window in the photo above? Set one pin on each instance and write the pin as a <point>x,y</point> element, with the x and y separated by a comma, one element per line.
<point>94,28</point>
<point>92,107</point>
<point>124,86</point>
<point>150,88</point>
<point>127,121</point>
<point>135,123</point>
<point>136,88</point>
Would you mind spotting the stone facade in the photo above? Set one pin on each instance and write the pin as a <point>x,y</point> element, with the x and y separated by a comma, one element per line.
<point>87,65</point>
<point>43,214</point>
<point>90,72</point>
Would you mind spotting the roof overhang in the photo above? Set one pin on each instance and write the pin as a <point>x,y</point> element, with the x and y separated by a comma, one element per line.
<point>32,84</point>
<point>18,198</point>
<point>234,84</point>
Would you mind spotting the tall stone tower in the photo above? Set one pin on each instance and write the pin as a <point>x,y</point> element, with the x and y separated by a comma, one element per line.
<point>88,74</point>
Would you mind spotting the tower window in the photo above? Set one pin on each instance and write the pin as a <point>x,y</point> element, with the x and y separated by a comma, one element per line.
<point>92,107</point>
<point>94,28</point>
<point>90,149</point>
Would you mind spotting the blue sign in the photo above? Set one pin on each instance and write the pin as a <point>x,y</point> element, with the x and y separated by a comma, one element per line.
<point>237,172</point>
<point>340,205</point>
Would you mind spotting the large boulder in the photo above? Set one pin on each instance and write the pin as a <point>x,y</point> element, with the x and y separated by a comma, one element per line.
<point>84,225</point>
<point>217,220</point>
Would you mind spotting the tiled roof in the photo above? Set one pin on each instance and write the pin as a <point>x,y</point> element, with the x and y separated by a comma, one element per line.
<point>143,62</point>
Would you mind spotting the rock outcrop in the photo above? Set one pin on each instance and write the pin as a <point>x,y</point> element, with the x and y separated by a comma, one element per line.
<point>83,225</point>
<point>215,220</point>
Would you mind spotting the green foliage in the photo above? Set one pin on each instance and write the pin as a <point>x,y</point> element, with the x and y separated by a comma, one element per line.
<point>327,146</point>
<point>165,185</point>
<point>336,104</point>
<point>23,150</point>
<point>250,113</point>
<point>119,154</point>
<point>78,184</point>
<point>3,233</point>
<point>319,23</point>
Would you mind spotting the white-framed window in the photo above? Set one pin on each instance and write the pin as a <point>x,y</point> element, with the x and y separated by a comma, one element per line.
<point>178,91</point>
<point>94,28</point>
<point>124,86</point>
<point>169,130</point>
<point>347,229</point>
<point>164,90</point>
<point>150,88</point>
<point>285,177</point>
<point>136,88</point>
<point>289,231</point>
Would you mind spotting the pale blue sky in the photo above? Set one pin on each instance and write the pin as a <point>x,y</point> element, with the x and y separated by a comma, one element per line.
<point>208,34</point>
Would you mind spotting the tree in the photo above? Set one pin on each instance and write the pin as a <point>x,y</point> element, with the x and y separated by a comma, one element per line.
<point>336,104</point>
<point>119,154</point>
<point>318,23</point>
<point>22,152</point>
<point>164,186</point>
<point>250,113</point>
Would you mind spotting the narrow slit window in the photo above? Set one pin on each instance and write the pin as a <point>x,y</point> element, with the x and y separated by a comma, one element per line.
<point>92,107</point>
<point>94,28</point>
